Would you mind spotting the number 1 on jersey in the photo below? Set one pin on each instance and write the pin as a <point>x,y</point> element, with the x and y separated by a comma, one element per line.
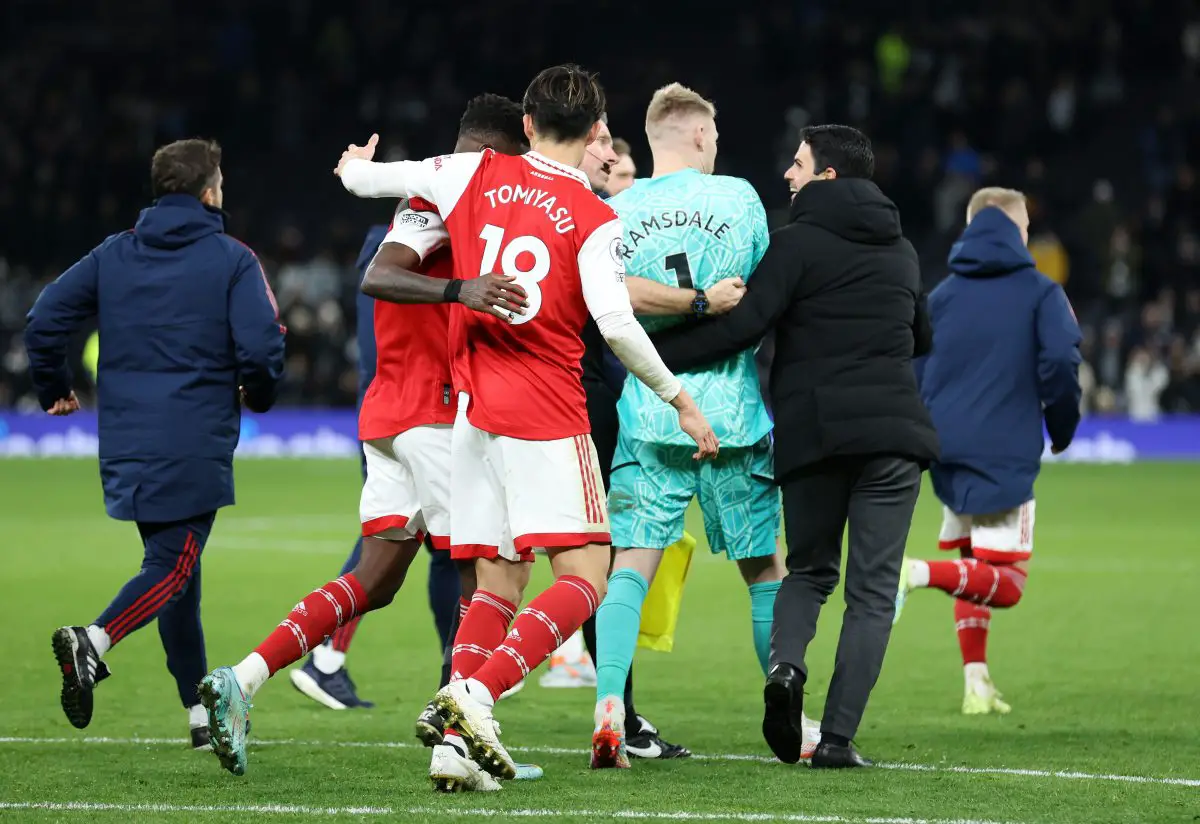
<point>527,279</point>
<point>678,263</point>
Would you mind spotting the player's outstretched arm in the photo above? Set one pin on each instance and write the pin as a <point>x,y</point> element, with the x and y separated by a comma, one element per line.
<point>439,180</point>
<point>59,312</point>
<point>649,297</point>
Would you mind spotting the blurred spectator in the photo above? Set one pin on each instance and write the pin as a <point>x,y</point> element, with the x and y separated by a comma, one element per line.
<point>1182,393</point>
<point>1122,271</point>
<point>1050,256</point>
<point>1097,122</point>
<point>1145,379</point>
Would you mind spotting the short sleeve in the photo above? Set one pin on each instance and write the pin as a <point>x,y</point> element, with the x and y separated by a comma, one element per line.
<point>423,232</point>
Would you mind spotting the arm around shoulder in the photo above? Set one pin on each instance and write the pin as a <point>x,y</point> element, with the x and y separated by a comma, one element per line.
<point>769,292</point>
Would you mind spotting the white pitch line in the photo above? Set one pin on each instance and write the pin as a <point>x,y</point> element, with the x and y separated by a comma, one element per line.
<point>451,812</point>
<point>1069,775</point>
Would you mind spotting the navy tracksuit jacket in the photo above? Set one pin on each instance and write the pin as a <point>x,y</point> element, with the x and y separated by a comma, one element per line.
<point>185,318</point>
<point>1005,357</point>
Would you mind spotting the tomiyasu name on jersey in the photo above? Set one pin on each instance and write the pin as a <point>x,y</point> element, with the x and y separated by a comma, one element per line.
<point>691,230</point>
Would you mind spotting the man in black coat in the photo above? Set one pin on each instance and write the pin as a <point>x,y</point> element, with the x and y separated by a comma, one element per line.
<point>841,287</point>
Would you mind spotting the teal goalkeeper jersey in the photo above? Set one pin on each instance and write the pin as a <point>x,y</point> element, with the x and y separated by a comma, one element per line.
<point>691,230</point>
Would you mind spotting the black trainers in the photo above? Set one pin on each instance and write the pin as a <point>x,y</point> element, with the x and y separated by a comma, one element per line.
<point>431,726</point>
<point>645,742</point>
<point>829,756</point>
<point>81,670</point>
<point>201,739</point>
<point>331,689</point>
<point>783,709</point>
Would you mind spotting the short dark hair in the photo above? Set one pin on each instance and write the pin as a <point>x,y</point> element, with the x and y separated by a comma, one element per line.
<point>564,101</point>
<point>844,149</point>
<point>185,167</point>
<point>492,117</point>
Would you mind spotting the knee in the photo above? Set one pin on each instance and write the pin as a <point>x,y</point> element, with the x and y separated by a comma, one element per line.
<point>600,584</point>
<point>379,582</point>
<point>504,579</point>
<point>1010,586</point>
<point>381,592</point>
<point>823,581</point>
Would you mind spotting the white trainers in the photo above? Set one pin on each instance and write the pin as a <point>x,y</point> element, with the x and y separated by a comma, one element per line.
<point>608,738</point>
<point>451,771</point>
<point>509,693</point>
<point>810,736</point>
<point>565,675</point>
<point>467,707</point>
<point>982,698</point>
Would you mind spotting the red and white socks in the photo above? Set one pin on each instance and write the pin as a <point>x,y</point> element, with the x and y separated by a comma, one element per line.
<point>481,629</point>
<point>969,579</point>
<point>306,627</point>
<point>540,629</point>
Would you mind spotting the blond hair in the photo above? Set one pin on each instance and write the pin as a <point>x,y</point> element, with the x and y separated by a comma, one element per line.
<point>621,146</point>
<point>673,102</point>
<point>1004,199</point>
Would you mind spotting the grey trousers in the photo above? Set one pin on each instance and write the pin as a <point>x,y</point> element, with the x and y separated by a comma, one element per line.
<point>877,496</point>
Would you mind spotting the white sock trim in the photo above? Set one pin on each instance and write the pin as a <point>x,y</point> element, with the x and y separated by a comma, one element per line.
<point>975,672</point>
<point>197,716</point>
<point>99,638</point>
<point>918,574</point>
<point>327,659</point>
<point>252,673</point>
<point>478,692</point>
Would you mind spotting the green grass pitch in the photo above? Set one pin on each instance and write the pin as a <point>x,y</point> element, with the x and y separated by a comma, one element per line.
<point>1100,661</point>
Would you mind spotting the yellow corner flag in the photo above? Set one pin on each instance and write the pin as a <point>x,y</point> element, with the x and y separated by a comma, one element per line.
<point>660,612</point>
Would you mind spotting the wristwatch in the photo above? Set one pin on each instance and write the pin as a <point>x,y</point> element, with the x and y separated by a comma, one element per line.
<point>700,304</point>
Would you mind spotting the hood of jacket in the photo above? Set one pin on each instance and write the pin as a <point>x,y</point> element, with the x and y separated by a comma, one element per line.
<point>989,247</point>
<point>851,208</point>
<point>175,221</point>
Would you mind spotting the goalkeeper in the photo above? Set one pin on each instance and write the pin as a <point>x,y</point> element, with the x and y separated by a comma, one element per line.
<point>685,229</point>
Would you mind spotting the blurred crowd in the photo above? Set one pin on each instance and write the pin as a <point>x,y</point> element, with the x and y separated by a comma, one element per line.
<point>1090,106</point>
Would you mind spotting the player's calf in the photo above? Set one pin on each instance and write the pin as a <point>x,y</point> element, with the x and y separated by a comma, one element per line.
<point>991,584</point>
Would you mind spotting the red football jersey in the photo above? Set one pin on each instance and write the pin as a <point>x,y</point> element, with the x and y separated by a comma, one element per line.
<point>412,384</point>
<point>536,219</point>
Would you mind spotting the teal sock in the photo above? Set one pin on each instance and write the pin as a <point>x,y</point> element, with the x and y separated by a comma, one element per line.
<point>617,623</point>
<point>762,615</point>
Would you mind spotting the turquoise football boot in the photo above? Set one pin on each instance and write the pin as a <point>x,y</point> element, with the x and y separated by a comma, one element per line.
<point>228,717</point>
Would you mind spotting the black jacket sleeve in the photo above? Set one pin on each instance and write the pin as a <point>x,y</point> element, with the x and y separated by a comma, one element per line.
<point>922,328</point>
<point>768,293</point>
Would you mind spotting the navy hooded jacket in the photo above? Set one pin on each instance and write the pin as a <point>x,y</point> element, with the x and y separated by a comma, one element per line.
<point>1005,355</point>
<point>185,318</point>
